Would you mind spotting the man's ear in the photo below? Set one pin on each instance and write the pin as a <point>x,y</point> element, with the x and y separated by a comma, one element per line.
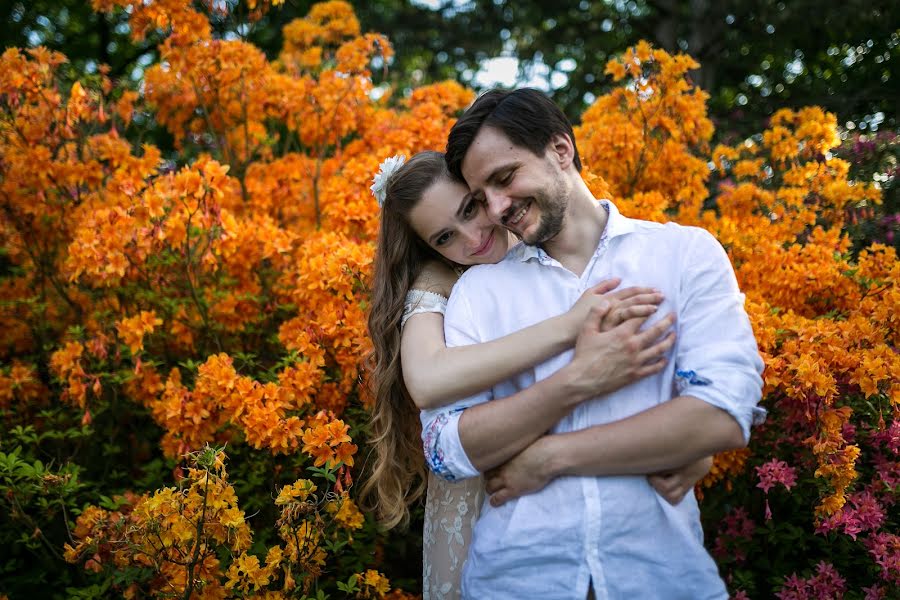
<point>562,150</point>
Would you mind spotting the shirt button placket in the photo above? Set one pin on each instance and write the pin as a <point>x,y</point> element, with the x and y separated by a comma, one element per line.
<point>594,515</point>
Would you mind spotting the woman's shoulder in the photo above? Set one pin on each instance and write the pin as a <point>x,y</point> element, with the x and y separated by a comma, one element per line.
<point>436,277</point>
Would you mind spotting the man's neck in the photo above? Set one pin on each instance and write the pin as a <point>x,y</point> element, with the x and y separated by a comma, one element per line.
<point>582,228</point>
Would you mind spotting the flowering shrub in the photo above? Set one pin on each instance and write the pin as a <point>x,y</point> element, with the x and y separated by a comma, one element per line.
<point>156,311</point>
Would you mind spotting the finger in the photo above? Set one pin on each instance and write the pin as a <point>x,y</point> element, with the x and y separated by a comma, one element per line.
<point>662,482</point>
<point>657,350</point>
<point>493,484</point>
<point>661,488</point>
<point>605,286</point>
<point>650,298</point>
<point>630,292</point>
<point>500,498</point>
<point>595,316</point>
<point>632,326</point>
<point>651,368</point>
<point>657,330</point>
<point>621,314</point>
<point>676,496</point>
<point>673,498</point>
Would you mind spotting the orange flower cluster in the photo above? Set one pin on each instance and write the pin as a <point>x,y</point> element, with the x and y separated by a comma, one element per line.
<point>133,329</point>
<point>21,386</point>
<point>647,138</point>
<point>66,365</point>
<point>186,536</point>
<point>271,415</point>
<point>372,584</point>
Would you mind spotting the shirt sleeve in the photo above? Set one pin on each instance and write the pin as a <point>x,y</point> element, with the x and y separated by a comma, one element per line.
<point>717,359</point>
<point>444,453</point>
<point>422,301</point>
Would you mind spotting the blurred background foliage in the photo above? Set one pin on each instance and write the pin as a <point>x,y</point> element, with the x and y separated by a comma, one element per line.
<point>756,55</point>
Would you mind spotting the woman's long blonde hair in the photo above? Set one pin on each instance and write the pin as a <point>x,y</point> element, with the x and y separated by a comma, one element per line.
<point>398,474</point>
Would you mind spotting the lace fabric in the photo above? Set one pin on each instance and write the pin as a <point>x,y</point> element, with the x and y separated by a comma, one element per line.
<point>451,509</point>
<point>421,301</point>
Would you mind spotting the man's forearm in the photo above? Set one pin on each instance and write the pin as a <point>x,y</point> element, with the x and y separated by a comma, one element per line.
<point>667,436</point>
<point>494,432</point>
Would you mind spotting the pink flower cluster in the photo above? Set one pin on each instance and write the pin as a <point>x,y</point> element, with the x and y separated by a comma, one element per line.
<point>862,513</point>
<point>885,550</point>
<point>773,472</point>
<point>736,526</point>
<point>826,584</point>
<point>890,437</point>
<point>888,469</point>
<point>876,592</point>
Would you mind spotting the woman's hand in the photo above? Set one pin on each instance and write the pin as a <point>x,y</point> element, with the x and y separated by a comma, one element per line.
<point>620,305</point>
<point>675,485</point>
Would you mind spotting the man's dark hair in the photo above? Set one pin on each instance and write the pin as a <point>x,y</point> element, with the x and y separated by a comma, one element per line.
<point>526,116</point>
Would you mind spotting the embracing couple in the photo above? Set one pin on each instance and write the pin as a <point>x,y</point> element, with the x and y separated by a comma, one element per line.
<point>571,388</point>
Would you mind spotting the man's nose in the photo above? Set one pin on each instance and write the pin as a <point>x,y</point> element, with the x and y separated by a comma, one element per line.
<point>497,205</point>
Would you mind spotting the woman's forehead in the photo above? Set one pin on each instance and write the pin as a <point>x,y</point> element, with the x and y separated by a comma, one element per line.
<point>438,207</point>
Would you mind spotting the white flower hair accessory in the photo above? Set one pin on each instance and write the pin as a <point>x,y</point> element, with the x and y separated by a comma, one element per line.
<point>385,171</point>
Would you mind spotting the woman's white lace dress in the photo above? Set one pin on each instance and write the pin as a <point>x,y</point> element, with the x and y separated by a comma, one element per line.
<point>451,508</point>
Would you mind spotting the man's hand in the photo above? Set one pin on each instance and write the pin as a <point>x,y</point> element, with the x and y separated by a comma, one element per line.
<point>525,473</point>
<point>675,485</point>
<point>605,361</point>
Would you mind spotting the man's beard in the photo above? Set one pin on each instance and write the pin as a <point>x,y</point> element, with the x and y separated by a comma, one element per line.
<point>553,211</point>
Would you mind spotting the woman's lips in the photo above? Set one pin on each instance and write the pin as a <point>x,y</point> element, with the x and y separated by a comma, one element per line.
<point>487,245</point>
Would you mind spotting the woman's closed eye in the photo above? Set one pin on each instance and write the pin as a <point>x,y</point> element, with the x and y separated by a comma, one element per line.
<point>471,208</point>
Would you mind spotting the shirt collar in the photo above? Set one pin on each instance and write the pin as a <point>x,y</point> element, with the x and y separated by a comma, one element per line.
<point>616,224</point>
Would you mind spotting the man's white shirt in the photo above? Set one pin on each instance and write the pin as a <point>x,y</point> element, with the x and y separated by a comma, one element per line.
<point>615,532</point>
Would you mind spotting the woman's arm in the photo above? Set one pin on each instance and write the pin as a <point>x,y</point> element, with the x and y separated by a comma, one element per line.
<point>436,375</point>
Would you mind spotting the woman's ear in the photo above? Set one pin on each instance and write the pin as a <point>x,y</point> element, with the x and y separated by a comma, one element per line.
<point>562,150</point>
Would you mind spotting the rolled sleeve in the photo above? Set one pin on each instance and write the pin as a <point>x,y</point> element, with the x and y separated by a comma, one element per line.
<point>443,449</point>
<point>717,360</point>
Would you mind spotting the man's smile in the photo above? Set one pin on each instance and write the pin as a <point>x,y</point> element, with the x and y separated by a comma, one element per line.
<point>514,218</point>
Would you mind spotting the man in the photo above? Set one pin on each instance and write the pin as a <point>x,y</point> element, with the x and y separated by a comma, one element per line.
<point>571,513</point>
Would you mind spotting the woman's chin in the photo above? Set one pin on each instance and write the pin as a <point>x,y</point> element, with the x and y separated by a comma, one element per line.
<point>496,255</point>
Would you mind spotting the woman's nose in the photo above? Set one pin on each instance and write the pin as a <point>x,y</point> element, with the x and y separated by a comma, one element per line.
<point>472,235</point>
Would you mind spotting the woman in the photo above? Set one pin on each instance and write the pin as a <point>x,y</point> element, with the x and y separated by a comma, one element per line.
<point>431,229</point>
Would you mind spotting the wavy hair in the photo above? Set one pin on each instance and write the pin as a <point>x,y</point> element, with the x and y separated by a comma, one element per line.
<point>398,472</point>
